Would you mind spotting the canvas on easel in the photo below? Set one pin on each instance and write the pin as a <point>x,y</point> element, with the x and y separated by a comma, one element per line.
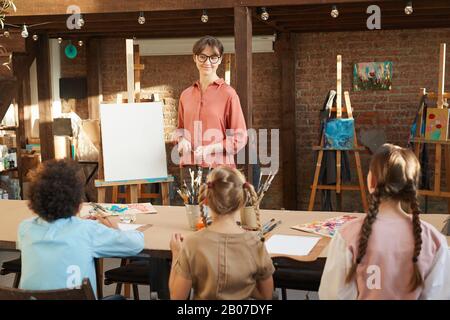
<point>133,141</point>
<point>437,124</point>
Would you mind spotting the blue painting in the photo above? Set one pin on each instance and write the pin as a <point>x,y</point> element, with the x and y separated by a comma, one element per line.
<point>339,134</point>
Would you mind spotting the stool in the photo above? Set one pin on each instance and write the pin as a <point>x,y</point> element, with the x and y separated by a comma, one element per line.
<point>297,275</point>
<point>152,272</point>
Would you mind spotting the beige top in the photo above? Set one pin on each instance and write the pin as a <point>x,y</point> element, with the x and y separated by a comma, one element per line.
<point>223,266</point>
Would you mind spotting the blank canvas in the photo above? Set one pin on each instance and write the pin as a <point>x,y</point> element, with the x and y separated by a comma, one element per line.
<point>133,141</point>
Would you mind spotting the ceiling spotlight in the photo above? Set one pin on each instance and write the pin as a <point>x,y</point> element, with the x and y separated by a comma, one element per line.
<point>264,14</point>
<point>141,19</point>
<point>409,8</point>
<point>80,21</point>
<point>59,40</point>
<point>24,32</point>
<point>6,34</point>
<point>80,43</point>
<point>334,11</point>
<point>204,17</point>
<point>35,37</point>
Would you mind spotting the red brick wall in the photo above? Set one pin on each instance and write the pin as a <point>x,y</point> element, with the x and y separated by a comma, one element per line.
<point>415,57</point>
<point>75,68</point>
<point>414,54</point>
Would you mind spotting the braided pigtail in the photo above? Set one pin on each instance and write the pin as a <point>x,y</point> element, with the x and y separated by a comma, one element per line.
<point>416,279</point>
<point>202,196</point>
<point>251,196</point>
<point>366,230</point>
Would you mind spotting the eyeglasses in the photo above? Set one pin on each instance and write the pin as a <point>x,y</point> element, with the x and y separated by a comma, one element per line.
<point>203,57</point>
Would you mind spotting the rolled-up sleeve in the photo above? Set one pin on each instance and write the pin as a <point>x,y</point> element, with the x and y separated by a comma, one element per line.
<point>237,136</point>
<point>337,266</point>
<point>108,242</point>
<point>437,281</point>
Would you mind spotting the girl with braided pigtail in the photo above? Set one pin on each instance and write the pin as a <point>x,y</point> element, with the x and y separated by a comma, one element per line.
<point>222,261</point>
<point>388,254</point>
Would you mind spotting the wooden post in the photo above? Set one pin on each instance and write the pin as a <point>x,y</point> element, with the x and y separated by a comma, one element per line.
<point>94,77</point>
<point>44,96</point>
<point>243,47</point>
<point>285,49</point>
<point>138,67</point>
<point>228,68</point>
<point>130,69</point>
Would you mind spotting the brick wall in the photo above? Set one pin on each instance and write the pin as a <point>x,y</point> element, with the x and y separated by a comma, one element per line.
<point>415,57</point>
<point>75,68</point>
<point>414,54</point>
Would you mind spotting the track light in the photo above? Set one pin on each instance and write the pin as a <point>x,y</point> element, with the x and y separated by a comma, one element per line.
<point>409,8</point>
<point>204,17</point>
<point>35,37</point>
<point>80,21</point>
<point>24,32</point>
<point>80,43</point>
<point>264,14</point>
<point>334,11</point>
<point>59,40</point>
<point>6,34</point>
<point>141,19</point>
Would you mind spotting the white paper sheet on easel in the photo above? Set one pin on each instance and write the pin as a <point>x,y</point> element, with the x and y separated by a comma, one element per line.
<point>133,141</point>
<point>128,226</point>
<point>291,245</point>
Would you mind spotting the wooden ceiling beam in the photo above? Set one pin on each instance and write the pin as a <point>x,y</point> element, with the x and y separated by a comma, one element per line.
<point>47,7</point>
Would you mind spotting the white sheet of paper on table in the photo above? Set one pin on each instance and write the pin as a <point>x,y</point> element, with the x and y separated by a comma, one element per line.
<point>128,226</point>
<point>291,245</point>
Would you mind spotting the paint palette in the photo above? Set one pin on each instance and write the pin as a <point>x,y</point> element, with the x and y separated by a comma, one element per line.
<point>325,228</point>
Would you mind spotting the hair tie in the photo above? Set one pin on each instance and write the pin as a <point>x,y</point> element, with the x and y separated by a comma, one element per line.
<point>414,259</point>
<point>246,184</point>
<point>210,185</point>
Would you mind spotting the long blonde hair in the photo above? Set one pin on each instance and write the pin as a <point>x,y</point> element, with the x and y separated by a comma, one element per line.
<point>396,171</point>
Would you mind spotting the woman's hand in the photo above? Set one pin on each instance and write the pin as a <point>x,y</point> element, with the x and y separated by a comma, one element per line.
<point>175,244</point>
<point>203,152</point>
<point>184,146</point>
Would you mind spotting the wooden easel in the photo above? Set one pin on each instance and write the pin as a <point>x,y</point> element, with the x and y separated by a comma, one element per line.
<point>132,186</point>
<point>441,98</point>
<point>339,187</point>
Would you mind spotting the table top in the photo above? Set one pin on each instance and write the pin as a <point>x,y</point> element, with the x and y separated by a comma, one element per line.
<point>170,219</point>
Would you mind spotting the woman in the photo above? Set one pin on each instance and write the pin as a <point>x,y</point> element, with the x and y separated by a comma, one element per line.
<point>211,125</point>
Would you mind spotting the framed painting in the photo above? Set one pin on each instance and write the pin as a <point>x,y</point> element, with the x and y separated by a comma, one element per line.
<point>372,76</point>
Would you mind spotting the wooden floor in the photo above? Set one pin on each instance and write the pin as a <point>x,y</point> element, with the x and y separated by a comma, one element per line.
<point>143,290</point>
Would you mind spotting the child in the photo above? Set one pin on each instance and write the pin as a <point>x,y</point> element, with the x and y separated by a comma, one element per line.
<point>388,254</point>
<point>222,261</point>
<point>58,248</point>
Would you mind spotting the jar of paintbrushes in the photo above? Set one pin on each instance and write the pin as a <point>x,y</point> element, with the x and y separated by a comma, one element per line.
<point>189,192</point>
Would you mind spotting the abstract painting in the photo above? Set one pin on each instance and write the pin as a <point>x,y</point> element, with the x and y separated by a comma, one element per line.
<point>437,124</point>
<point>372,76</point>
<point>339,134</point>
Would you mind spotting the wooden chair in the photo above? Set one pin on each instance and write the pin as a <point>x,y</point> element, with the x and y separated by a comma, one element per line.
<point>13,266</point>
<point>85,292</point>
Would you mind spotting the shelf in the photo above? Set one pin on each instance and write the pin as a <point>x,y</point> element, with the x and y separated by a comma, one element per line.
<point>8,128</point>
<point>8,170</point>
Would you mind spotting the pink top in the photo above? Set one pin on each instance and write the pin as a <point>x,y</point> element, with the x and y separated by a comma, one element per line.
<point>390,247</point>
<point>218,108</point>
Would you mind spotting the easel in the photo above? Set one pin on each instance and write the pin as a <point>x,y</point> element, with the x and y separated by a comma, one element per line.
<point>339,187</point>
<point>441,98</point>
<point>133,186</point>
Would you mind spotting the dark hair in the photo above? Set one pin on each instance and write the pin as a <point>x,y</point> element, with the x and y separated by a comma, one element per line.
<point>396,171</point>
<point>205,41</point>
<point>56,190</point>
